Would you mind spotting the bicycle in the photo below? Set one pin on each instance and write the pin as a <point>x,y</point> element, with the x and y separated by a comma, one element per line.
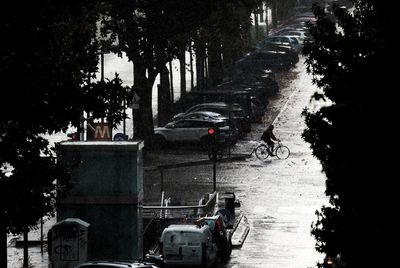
<point>280,151</point>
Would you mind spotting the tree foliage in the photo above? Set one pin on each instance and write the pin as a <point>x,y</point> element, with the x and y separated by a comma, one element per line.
<point>225,33</point>
<point>47,63</point>
<point>152,33</point>
<point>354,61</point>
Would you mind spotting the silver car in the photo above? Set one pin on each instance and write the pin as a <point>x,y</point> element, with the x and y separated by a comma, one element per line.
<point>203,115</point>
<point>194,131</point>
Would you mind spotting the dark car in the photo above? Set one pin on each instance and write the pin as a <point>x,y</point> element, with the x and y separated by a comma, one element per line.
<point>230,93</point>
<point>117,264</point>
<point>285,47</point>
<point>275,60</point>
<point>262,84</point>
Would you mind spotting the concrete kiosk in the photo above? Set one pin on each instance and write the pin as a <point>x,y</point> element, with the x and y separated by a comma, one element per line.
<point>106,192</point>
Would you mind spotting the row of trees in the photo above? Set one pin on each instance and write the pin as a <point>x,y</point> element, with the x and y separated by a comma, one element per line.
<point>47,68</point>
<point>160,31</point>
<point>355,61</point>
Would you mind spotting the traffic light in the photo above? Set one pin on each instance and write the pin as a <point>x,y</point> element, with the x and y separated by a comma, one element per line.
<point>212,133</point>
<point>213,139</point>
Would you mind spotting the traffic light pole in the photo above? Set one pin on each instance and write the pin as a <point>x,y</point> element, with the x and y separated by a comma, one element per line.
<point>212,132</point>
<point>214,172</point>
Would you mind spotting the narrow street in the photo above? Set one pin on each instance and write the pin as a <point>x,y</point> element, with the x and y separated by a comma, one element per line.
<point>278,197</point>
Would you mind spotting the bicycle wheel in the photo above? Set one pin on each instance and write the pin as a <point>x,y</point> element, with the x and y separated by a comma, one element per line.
<point>282,152</point>
<point>262,152</point>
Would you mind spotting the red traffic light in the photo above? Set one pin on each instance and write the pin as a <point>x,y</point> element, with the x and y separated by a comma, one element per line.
<point>211,131</point>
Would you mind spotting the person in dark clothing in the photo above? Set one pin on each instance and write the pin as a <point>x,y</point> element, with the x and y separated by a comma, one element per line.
<point>268,137</point>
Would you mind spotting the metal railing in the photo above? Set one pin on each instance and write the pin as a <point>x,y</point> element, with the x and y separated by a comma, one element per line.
<point>180,212</point>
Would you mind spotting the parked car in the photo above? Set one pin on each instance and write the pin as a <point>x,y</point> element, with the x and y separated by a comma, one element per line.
<point>222,236</point>
<point>203,115</point>
<point>284,40</point>
<point>301,34</point>
<point>188,245</point>
<point>233,111</point>
<point>275,60</point>
<point>207,115</point>
<point>263,84</point>
<point>193,131</point>
<point>300,40</point>
<point>201,106</point>
<point>230,93</point>
<point>117,264</point>
<point>292,53</point>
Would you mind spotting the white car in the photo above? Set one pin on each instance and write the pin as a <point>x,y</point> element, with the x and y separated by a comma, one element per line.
<point>194,131</point>
<point>188,245</point>
<point>203,115</point>
<point>301,34</point>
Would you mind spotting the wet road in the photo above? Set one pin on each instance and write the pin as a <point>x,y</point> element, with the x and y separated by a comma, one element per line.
<point>279,197</point>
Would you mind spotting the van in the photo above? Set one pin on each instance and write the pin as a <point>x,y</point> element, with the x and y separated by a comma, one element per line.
<point>189,245</point>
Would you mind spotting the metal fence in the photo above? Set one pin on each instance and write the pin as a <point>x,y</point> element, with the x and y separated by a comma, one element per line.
<point>206,206</point>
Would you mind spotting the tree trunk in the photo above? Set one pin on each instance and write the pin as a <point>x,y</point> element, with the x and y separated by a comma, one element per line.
<point>182,69</point>
<point>261,12</point>
<point>3,243</point>
<point>191,67</point>
<point>266,20</point>
<point>200,56</point>
<point>171,82</point>
<point>206,78</point>
<point>164,98</point>
<point>26,257</point>
<point>143,117</point>
<point>229,55</point>
<point>215,68</point>
<point>256,27</point>
<point>274,13</point>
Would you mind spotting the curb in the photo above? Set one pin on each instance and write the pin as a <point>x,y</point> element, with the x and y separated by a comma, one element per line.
<point>244,231</point>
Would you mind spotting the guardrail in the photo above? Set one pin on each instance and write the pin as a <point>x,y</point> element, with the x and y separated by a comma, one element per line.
<point>181,212</point>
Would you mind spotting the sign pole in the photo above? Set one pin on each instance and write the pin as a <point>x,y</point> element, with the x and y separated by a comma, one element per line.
<point>214,174</point>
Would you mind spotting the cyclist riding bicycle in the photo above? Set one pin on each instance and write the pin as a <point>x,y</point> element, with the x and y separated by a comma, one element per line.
<point>268,137</point>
